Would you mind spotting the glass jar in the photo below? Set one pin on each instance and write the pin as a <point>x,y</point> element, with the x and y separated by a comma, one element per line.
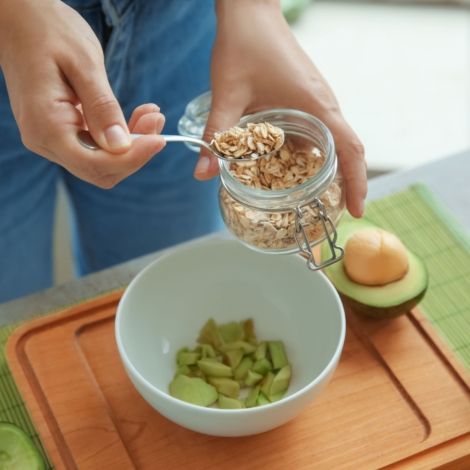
<point>281,221</point>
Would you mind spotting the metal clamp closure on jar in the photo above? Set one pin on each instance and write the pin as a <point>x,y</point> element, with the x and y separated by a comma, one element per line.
<point>304,245</point>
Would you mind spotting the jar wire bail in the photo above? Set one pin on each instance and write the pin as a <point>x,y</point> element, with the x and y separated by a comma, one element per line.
<point>331,235</point>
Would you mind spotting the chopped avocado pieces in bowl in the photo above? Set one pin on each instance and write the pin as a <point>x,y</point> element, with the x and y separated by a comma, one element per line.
<point>388,300</point>
<point>228,360</point>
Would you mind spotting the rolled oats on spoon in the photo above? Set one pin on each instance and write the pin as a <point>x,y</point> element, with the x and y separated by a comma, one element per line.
<point>256,141</point>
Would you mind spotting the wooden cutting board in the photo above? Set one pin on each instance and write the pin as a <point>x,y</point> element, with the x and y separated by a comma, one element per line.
<point>398,400</point>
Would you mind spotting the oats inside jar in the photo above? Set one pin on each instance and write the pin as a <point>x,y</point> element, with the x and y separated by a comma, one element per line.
<point>288,167</point>
<point>292,165</point>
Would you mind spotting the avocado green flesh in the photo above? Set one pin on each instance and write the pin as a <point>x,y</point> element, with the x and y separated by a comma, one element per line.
<point>386,301</point>
<point>394,293</point>
<point>17,450</point>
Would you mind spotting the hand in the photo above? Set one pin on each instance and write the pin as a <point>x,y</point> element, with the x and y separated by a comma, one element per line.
<point>54,69</point>
<point>257,64</point>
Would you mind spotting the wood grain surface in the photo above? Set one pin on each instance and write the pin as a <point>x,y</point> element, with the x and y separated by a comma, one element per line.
<point>399,399</point>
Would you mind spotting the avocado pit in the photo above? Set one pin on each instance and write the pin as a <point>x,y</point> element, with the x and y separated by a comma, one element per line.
<point>374,257</point>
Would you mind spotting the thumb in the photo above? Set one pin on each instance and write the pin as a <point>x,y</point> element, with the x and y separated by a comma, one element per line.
<point>103,114</point>
<point>221,117</point>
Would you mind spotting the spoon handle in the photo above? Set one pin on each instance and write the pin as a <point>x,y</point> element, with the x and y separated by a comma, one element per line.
<point>181,138</point>
<point>175,138</point>
<point>85,138</point>
<point>190,140</point>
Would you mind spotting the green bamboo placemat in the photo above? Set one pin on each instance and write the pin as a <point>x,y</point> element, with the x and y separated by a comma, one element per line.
<point>12,408</point>
<point>427,228</point>
<point>424,225</point>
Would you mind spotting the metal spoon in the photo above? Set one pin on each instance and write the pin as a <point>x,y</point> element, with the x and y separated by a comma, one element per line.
<point>85,138</point>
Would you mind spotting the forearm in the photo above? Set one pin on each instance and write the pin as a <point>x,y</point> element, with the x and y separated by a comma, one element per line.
<point>16,18</point>
<point>238,12</point>
<point>220,5</point>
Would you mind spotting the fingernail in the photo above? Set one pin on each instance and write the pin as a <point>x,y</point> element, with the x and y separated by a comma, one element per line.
<point>116,137</point>
<point>202,165</point>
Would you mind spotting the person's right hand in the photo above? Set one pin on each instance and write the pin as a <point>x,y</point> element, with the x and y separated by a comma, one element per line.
<point>56,79</point>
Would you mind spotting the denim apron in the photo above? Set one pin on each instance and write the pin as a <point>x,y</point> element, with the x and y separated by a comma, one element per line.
<point>155,51</point>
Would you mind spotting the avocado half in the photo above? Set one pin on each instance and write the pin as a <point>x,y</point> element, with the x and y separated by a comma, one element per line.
<point>387,301</point>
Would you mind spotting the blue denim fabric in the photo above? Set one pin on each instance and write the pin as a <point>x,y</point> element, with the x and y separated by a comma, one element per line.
<point>156,51</point>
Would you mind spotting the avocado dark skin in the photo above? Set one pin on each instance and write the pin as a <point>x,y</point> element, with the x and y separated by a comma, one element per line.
<point>382,313</point>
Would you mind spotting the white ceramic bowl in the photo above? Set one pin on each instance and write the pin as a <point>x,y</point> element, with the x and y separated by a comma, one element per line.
<point>166,305</point>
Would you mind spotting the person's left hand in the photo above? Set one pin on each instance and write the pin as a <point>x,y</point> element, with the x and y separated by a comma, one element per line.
<point>257,64</point>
